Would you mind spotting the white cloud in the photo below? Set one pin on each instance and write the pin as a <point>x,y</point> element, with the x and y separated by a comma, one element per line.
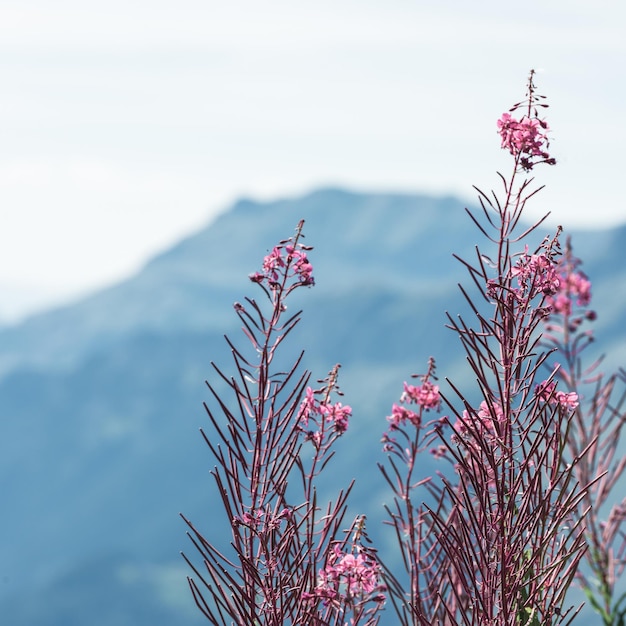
<point>77,222</point>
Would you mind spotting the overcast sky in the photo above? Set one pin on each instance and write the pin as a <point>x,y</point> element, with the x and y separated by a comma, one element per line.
<point>127,124</point>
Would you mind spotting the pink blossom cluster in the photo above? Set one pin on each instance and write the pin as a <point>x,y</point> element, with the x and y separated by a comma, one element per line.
<point>285,259</point>
<point>486,418</point>
<point>527,135</point>
<point>536,273</point>
<point>337,415</point>
<point>474,432</point>
<point>347,576</point>
<point>400,415</point>
<point>425,395</point>
<point>301,266</point>
<point>573,286</point>
<point>320,413</point>
<point>524,138</point>
<point>546,391</point>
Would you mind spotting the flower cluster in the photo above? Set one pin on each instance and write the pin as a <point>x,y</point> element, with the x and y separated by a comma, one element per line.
<point>547,392</point>
<point>527,135</point>
<point>526,138</point>
<point>286,260</point>
<point>568,308</point>
<point>574,286</point>
<point>400,415</point>
<point>487,416</point>
<point>348,577</point>
<point>337,415</point>
<point>320,413</point>
<point>486,422</point>
<point>425,395</point>
<point>536,273</point>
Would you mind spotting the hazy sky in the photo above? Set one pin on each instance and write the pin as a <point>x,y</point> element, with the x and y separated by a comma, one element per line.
<point>127,124</point>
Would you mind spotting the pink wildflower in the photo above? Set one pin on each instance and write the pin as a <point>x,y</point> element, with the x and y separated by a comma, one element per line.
<point>489,413</point>
<point>547,392</point>
<point>537,272</point>
<point>572,286</point>
<point>308,406</point>
<point>311,409</point>
<point>580,286</point>
<point>567,401</point>
<point>347,575</point>
<point>272,262</point>
<point>560,303</point>
<point>486,418</point>
<point>302,268</point>
<point>400,415</point>
<point>286,261</point>
<point>426,396</point>
<point>337,414</point>
<point>525,138</point>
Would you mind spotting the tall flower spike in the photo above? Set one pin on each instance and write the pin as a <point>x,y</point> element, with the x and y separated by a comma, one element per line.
<point>495,536</point>
<point>526,138</point>
<point>287,266</point>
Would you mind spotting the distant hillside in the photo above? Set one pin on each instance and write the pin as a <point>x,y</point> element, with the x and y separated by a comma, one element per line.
<point>100,403</point>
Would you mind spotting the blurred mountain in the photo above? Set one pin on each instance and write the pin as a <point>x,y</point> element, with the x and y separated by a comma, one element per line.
<point>100,402</point>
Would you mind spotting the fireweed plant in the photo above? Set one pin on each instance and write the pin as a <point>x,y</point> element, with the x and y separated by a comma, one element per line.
<point>526,461</point>
<point>289,562</point>
<point>496,536</point>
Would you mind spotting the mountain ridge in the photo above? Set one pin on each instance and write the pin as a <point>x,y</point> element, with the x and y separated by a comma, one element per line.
<point>156,290</point>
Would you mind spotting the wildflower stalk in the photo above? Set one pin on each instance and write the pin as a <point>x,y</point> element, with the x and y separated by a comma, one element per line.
<point>270,442</point>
